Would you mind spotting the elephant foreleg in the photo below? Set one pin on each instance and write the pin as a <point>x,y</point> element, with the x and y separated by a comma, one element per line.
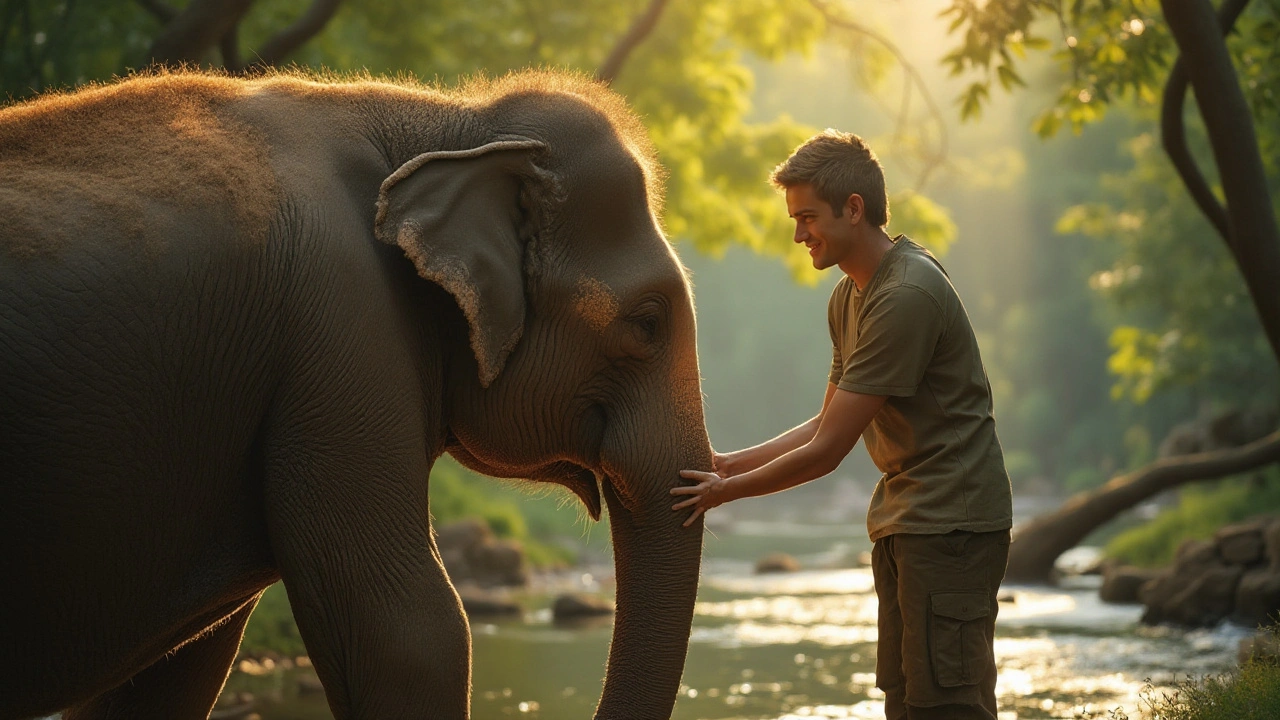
<point>183,684</point>
<point>383,626</point>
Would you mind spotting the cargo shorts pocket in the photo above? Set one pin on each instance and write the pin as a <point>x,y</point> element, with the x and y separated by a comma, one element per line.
<point>958,647</point>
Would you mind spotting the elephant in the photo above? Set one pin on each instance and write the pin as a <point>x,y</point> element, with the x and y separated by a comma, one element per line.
<point>241,318</point>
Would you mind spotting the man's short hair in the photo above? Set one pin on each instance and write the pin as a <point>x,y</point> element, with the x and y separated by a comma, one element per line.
<point>837,165</point>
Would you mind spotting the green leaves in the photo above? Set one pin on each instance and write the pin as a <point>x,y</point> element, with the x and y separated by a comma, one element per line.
<point>1047,123</point>
<point>971,100</point>
<point>1008,78</point>
<point>1180,313</point>
<point>1107,51</point>
<point>925,221</point>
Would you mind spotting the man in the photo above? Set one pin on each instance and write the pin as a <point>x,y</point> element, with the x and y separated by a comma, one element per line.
<point>906,375</point>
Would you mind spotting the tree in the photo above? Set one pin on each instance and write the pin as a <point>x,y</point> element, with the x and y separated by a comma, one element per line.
<point>1118,51</point>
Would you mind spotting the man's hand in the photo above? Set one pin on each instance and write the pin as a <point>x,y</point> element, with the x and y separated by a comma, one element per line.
<point>721,463</point>
<point>710,491</point>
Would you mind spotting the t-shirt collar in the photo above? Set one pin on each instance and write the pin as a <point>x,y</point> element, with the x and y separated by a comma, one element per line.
<point>884,260</point>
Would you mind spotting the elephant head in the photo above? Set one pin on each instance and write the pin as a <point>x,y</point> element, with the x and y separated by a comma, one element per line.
<point>580,365</point>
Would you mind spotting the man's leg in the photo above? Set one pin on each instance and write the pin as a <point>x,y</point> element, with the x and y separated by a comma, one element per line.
<point>889,676</point>
<point>947,587</point>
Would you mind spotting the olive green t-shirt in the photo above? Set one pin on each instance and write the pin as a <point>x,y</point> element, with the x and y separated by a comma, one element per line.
<point>907,336</point>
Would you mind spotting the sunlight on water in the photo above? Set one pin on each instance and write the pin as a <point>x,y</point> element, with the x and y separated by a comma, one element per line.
<point>869,709</point>
<point>750,633</point>
<point>844,609</point>
<point>816,582</point>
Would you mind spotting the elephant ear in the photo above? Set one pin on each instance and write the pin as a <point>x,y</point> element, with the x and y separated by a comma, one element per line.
<point>457,214</point>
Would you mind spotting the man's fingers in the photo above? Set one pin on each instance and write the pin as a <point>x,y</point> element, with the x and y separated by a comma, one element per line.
<point>693,517</point>
<point>685,503</point>
<point>687,490</point>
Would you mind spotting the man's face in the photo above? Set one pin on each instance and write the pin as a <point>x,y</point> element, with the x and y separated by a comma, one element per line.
<point>829,238</point>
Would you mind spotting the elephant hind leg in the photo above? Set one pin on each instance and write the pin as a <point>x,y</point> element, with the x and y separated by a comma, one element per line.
<point>183,684</point>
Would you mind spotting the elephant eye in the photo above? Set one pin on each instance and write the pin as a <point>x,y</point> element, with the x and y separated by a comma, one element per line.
<point>646,323</point>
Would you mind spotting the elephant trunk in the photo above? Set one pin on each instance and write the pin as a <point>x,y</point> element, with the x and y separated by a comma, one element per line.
<point>657,563</point>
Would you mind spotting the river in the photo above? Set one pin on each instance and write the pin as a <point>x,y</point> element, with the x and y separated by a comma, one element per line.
<point>801,645</point>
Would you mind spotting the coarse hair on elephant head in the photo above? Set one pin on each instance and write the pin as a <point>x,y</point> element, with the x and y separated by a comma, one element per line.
<point>581,332</point>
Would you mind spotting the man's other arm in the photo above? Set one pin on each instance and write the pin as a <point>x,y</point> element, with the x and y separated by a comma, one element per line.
<point>844,417</point>
<point>748,459</point>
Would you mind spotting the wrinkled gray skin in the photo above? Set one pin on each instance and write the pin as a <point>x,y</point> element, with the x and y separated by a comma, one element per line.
<point>188,414</point>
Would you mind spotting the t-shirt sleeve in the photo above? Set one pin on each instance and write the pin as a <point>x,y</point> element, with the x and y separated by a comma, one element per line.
<point>833,320</point>
<point>837,362</point>
<point>899,333</point>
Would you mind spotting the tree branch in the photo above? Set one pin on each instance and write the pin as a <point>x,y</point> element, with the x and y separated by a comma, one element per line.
<point>639,30</point>
<point>1253,237</point>
<point>1173,130</point>
<point>932,160</point>
<point>193,33</point>
<point>293,37</point>
<point>163,11</point>
<point>1039,542</point>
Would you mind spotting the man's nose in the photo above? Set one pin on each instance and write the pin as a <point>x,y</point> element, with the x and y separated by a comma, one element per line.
<point>801,234</point>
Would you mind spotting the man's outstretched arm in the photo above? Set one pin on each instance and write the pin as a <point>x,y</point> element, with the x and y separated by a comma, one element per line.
<point>748,459</point>
<point>845,415</point>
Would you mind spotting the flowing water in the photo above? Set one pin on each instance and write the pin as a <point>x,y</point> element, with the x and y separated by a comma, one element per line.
<point>802,645</point>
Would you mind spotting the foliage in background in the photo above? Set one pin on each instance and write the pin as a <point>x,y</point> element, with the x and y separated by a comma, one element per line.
<point>548,521</point>
<point>1108,51</point>
<point>271,628</point>
<point>57,45</point>
<point>1182,318</point>
<point>1199,512</point>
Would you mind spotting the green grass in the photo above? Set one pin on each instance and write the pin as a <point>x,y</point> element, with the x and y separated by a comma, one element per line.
<point>1249,692</point>
<point>1201,511</point>
<point>1252,692</point>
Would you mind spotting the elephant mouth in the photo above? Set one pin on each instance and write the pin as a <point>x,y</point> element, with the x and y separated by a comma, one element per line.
<point>581,481</point>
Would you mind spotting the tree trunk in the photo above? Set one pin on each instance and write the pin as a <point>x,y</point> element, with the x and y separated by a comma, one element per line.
<point>1039,542</point>
<point>188,37</point>
<point>1253,237</point>
<point>639,30</point>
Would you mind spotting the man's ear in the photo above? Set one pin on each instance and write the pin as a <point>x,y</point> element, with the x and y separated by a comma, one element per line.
<point>855,207</point>
<point>458,215</point>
